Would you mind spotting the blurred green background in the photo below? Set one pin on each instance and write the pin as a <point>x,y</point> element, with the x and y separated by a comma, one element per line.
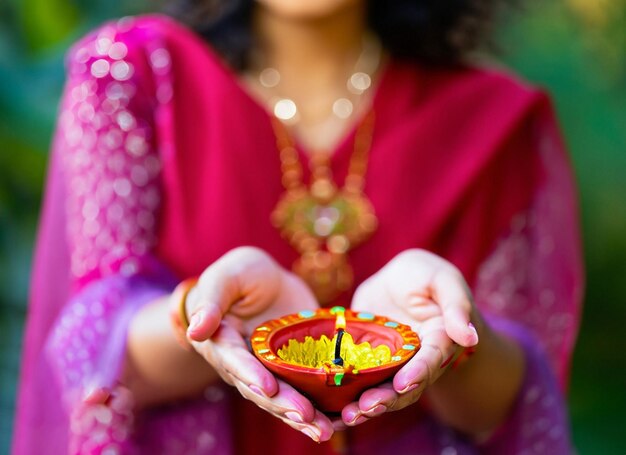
<point>574,48</point>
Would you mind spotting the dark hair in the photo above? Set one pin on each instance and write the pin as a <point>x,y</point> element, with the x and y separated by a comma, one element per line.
<point>439,32</point>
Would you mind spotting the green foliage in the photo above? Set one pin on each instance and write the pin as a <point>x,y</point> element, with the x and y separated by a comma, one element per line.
<point>46,22</point>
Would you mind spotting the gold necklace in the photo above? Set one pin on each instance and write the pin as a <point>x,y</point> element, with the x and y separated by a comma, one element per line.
<point>321,221</point>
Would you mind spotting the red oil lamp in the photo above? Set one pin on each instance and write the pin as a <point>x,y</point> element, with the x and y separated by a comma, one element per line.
<point>332,355</point>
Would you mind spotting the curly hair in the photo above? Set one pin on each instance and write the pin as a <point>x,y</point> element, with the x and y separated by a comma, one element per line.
<point>432,32</point>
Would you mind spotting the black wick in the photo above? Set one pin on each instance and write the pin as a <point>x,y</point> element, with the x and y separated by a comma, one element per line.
<point>338,360</point>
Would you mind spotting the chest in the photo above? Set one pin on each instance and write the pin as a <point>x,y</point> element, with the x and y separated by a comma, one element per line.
<point>224,179</point>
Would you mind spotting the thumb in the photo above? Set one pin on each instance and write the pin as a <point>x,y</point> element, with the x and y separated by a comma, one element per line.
<point>456,305</point>
<point>243,281</point>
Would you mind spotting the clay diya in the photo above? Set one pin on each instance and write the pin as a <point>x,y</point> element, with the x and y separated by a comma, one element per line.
<point>332,355</point>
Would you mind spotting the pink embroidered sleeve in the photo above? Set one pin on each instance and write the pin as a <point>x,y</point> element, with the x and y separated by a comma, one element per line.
<point>530,288</point>
<point>106,147</point>
<point>107,134</point>
<point>534,275</point>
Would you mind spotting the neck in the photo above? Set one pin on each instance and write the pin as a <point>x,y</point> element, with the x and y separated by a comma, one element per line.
<point>314,51</point>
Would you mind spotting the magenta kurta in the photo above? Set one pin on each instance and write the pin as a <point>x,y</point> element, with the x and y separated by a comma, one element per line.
<point>162,163</point>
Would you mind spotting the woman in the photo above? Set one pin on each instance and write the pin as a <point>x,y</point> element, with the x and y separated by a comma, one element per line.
<point>169,164</point>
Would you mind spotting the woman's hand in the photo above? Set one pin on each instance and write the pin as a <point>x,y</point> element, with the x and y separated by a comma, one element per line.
<point>428,293</point>
<point>239,291</point>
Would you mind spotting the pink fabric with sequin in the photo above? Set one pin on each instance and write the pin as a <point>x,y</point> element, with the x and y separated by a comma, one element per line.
<point>162,163</point>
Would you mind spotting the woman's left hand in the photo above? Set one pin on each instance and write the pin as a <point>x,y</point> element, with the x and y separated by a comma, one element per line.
<point>242,289</point>
<point>428,293</point>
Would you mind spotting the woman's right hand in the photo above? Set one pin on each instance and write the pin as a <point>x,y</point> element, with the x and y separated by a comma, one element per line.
<point>242,289</point>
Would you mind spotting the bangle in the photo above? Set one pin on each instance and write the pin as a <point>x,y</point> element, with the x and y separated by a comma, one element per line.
<point>178,310</point>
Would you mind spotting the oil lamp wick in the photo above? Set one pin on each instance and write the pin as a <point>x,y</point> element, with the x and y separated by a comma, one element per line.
<point>340,327</point>
<point>338,360</point>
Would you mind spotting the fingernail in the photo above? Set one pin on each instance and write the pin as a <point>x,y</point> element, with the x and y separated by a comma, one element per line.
<point>351,415</point>
<point>257,390</point>
<point>196,320</point>
<point>474,333</point>
<point>311,434</point>
<point>294,416</point>
<point>409,387</point>
<point>359,420</point>
<point>377,410</point>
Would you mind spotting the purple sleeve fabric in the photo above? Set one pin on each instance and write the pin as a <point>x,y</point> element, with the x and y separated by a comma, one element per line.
<point>88,342</point>
<point>538,423</point>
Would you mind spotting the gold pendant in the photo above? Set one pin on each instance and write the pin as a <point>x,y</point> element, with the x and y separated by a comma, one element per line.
<point>323,224</point>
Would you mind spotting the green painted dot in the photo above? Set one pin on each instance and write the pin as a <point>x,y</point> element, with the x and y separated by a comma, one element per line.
<point>396,358</point>
<point>365,316</point>
<point>391,324</point>
<point>337,309</point>
<point>263,351</point>
<point>409,347</point>
<point>306,314</point>
<point>338,378</point>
